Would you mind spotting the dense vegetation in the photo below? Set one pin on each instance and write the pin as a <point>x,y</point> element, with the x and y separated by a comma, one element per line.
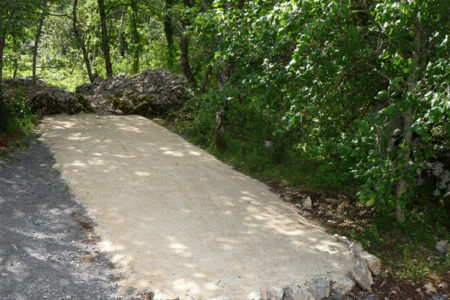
<point>339,96</point>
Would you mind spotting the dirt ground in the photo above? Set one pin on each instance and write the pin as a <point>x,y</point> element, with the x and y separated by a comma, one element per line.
<point>177,221</point>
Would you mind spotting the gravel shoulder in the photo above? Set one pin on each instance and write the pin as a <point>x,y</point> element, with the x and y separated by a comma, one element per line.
<point>47,246</point>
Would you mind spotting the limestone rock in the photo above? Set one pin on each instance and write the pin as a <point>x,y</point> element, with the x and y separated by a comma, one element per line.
<point>442,247</point>
<point>429,289</point>
<point>373,262</point>
<point>297,292</point>
<point>44,99</point>
<point>307,203</point>
<point>319,288</point>
<point>361,275</point>
<point>153,93</point>
<point>274,293</point>
<point>356,248</point>
<point>255,296</point>
<point>342,286</point>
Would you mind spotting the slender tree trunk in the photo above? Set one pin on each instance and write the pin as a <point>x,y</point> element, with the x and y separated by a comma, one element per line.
<point>168,31</point>
<point>105,38</point>
<point>2,103</point>
<point>37,39</point>
<point>404,157</point>
<point>205,79</point>
<point>135,35</point>
<point>81,41</point>
<point>184,57</point>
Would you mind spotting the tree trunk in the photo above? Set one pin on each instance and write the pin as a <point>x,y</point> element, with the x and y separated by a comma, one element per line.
<point>205,79</point>
<point>136,37</point>
<point>37,39</point>
<point>184,57</point>
<point>81,41</point>
<point>2,103</point>
<point>168,31</point>
<point>105,38</point>
<point>404,157</point>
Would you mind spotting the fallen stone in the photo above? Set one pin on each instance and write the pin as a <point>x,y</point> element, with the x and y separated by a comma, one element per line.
<point>274,293</point>
<point>429,289</point>
<point>356,248</point>
<point>255,296</point>
<point>344,240</point>
<point>373,262</point>
<point>361,275</point>
<point>342,286</point>
<point>307,203</point>
<point>442,247</point>
<point>319,288</point>
<point>297,292</point>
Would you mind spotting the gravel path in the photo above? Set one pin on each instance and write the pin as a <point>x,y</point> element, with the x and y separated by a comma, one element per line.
<point>181,223</point>
<point>47,245</point>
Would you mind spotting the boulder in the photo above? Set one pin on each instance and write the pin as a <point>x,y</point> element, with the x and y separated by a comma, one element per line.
<point>297,292</point>
<point>319,288</point>
<point>373,262</point>
<point>307,203</point>
<point>44,99</point>
<point>153,93</point>
<point>274,293</point>
<point>361,275</point>
<point>255,296</point>
<point>442,247</point>
<point>342,286</point>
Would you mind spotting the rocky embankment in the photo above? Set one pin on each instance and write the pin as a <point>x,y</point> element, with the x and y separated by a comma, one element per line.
<point>45,99</point>
<point>153,93</point>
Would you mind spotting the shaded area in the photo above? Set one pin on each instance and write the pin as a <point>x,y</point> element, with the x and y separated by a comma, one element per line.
<point>180,221</point>
<point>47,246</point>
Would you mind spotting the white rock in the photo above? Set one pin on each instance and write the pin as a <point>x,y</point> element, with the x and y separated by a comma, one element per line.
<point>442,247</point>
<point>319,288</point>
<point>267,144</point>
<point>255,296</point>
<point>361,274</point>
<point>274,293</point>
<point>344,240</point>
<point>356,248</point>
<point>429,289</point>
<point>220,298</point>
<point>297,292</point>
<point>373,262</point>
<point>307,203</point>
<point>343,286</point>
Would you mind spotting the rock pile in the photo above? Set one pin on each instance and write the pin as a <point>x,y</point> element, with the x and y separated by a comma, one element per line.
<point>152,93</point>
<point>45,99</point>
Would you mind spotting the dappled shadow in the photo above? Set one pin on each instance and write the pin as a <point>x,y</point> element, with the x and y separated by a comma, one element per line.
<point>179,220</point>
<point>44,252</point>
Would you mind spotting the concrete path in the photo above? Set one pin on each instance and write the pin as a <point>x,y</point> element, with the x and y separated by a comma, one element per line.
<point>179,221</point>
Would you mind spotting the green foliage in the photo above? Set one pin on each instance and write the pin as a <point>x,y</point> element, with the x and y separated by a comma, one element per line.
<point>327,81</point>
<point>21,120</point>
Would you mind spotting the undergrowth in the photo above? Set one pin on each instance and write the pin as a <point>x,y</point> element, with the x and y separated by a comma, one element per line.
<point>20,124</point>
